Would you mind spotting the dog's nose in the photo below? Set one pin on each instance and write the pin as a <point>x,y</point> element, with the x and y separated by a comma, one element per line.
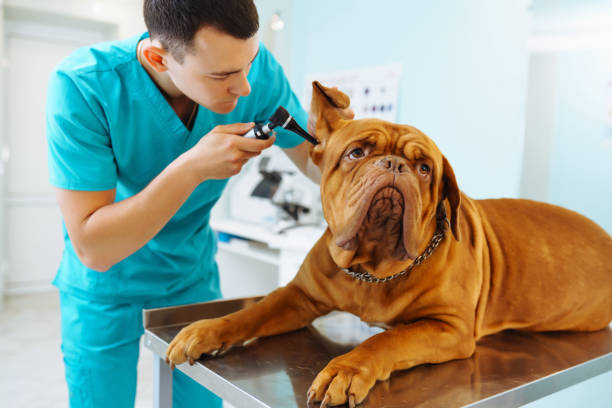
<point>393,164</point>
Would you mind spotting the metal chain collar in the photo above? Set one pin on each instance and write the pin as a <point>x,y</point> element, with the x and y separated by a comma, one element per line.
<point>442,225</point>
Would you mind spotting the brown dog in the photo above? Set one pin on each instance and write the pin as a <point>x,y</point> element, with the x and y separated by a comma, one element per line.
<point>389,196</point>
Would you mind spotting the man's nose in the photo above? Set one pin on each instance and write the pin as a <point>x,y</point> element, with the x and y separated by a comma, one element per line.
<point>393,164</point>
<point>241,86</point>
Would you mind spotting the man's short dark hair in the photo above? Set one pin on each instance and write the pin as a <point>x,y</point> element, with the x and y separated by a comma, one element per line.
<point>175,22</point>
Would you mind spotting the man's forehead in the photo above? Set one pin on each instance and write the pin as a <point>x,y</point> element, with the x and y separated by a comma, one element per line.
<point>219,52</point>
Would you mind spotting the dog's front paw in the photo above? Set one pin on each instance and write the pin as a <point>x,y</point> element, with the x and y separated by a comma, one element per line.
<point>346,378</point>
<point>202,337</point>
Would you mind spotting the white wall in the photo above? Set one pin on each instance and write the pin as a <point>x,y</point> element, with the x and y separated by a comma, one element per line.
<point>125,14</point>
<point>539,126</point>
<point>3,264</point>
<point>464,72</point>
<point>30,239</point>
<point>571,137</point>
<point>278,42</point>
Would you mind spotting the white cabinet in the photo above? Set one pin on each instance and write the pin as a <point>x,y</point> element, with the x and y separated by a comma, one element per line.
<point>255,260</point>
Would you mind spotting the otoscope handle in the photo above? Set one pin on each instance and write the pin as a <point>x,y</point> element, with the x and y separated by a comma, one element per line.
<point>259,132</point>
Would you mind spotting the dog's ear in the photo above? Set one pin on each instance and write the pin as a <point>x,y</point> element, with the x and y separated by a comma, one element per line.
<point>325,114</point>
<point>450,191</point>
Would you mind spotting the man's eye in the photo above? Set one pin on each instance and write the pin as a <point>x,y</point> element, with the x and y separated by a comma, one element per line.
<point>356,153</point>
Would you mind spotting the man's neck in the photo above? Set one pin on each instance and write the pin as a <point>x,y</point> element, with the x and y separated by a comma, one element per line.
<point>181,104</point>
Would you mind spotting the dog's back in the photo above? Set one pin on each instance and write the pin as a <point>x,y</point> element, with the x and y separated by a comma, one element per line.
<point>550,268</point>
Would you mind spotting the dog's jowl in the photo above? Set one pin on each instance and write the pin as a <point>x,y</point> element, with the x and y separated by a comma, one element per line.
<point>407,248</point>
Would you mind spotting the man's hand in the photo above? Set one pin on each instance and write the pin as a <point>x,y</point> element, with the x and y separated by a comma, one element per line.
<point>223,151</point>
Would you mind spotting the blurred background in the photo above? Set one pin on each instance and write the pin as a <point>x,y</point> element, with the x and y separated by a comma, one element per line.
<point>516,93</point>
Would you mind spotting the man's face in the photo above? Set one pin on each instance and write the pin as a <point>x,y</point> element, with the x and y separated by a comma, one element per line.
<point>214,73</point>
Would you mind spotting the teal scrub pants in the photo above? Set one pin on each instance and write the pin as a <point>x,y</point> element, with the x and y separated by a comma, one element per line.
<point>101,341</point>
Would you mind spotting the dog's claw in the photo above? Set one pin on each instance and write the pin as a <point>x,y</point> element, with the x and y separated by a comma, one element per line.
<point>325,401</point>
<point>351,401</point>
<point>309,396</point>
<point>249,341</point>
<point>214,352</point>
<point>172,366</point>
<point>191,361</point>
<point>225,350</point>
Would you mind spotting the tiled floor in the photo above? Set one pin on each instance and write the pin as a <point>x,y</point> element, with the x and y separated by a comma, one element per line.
<point>32,371</point>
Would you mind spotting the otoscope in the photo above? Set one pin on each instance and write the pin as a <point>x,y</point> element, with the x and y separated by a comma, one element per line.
<point>283,119</point>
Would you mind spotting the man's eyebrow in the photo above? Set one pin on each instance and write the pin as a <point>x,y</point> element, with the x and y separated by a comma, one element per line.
<point>233,72</point>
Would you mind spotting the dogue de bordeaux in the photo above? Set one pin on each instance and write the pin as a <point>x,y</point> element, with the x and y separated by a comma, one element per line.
<point>405,248</point>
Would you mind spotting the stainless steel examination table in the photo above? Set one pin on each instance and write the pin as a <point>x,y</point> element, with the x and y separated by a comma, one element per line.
<point>507,369</point>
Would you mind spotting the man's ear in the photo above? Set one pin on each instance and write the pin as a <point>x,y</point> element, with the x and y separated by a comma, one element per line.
<point>154,55</point>
<point>450,192</point>
<point>325,115</point>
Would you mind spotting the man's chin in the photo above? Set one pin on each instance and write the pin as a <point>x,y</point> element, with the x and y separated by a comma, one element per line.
<point>225,107</point>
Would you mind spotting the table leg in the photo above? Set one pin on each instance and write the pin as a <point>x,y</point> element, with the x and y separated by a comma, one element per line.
<point>162,383</point>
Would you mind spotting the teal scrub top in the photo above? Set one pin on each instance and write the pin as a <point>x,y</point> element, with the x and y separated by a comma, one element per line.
<point>109,126</point>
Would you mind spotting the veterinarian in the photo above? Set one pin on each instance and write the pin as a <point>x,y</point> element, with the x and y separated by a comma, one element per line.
<point>143,135</point>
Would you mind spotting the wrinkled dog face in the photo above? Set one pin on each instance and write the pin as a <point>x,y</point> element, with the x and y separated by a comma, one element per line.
<point>381,178</point>
<point>380,186</point>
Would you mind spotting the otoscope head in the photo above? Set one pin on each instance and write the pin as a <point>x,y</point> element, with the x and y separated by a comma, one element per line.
<point>283,119</point>
<point>295,128</point>
<point>279,117</point>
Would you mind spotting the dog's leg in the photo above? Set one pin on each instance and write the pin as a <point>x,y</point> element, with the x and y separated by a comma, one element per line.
<point>349,377</point>
<point>281,311</point>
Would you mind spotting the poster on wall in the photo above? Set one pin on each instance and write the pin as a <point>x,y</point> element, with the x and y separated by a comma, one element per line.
<point>373,90</point>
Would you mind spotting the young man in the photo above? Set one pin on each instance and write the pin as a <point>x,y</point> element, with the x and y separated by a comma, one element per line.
<point>142,135</point>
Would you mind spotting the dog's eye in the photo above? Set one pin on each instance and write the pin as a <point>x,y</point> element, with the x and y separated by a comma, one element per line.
<point>424,169</point>
<point>356,153</point>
